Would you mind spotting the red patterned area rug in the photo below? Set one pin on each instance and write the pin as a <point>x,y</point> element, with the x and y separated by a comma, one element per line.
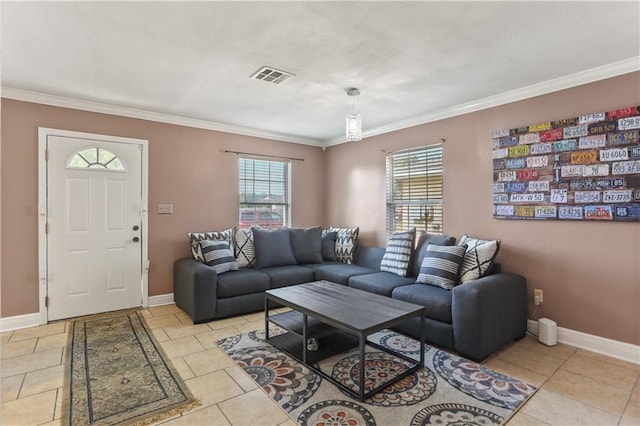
<point>449,390</point>
<point>117,373</point>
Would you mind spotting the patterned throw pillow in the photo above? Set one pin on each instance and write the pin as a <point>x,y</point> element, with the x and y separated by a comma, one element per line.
<point>478,258</point>
<point>218,255</point>
<point>196,237</point>
<point>345,243</point>
<point>245,250</point>
<point>441,265</point>
<point>397,255</point>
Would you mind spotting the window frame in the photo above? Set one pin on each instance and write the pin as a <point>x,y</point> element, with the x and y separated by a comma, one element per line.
<point>282,208</point>
<point>415,211</point>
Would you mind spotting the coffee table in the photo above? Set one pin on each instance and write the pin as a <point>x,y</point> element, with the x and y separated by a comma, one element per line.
<point>340,318</point>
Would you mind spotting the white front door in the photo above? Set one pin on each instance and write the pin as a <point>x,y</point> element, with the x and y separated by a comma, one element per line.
<point>94,215</point>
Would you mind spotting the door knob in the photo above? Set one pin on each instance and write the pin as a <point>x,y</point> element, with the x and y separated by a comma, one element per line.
<point>136,239</point>
<point>136,227</point>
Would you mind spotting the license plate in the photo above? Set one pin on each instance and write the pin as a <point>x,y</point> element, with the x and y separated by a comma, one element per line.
<point>584,157</point>
<point>621,196</point>
<point>629,123</point>
<point>524,211</point>
<point>500,153</point>
<point>598,212</point>
<point>565,145</point>
<point>519,151</point>
<point>498,187</point>
<point>622,112</point>
<point>586,197</point>
<point>626,167</point>
<point>504,210</point>
<point>507,176</point>
<point>628,212</point>
<point>498,164</point>
<point>508,141</point>
<point>541,148</point>
<point>516,163</point>
<point>564,123</point>
<point>623,138</point>
<point>606,127</point>
<point>545,211</point>
<point>575,132</point>
<point>541,161</point>
<point>590,142</point>
<point>500,134</point>
<point>539,127</point>
<point>590,118</point>
<point>610,183</point>
<point>569,212</point>
<point>571,171</point>
<point>527,198</point>
<point>591,170</point>
<point>500,198</point>
<point>634,152</point>
<point>582,184</point>
<point>551,135</point>
<point>615,154</point>
<point>558,196</point>
<point>529,138</point>
<point>538,185</point>
<point>516,187</point>
<point>527,174</point>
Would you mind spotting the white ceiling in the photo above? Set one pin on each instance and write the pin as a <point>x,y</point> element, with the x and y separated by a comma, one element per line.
<point>410,59</point>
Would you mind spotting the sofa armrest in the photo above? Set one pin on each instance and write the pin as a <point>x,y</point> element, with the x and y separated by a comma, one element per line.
<point>195,288</point>
<point>488,313</point>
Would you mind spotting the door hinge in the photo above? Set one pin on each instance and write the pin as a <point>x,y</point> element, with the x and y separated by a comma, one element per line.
<point>46,155</point>
<point>46,301</point>
<point>46,228</point>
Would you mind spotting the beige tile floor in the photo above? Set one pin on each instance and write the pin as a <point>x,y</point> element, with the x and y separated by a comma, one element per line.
<point>575,386</point>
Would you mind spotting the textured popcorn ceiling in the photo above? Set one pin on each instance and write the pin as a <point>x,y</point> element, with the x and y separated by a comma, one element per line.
<point>410,59</point>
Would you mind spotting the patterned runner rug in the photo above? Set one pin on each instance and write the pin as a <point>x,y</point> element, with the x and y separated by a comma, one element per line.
<point>449,391</point>
<point>118,374</point>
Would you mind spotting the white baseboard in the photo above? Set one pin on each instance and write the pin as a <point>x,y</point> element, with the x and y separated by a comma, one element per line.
<point>160,300</point>
<point>19,321</point>
<point>33,320</point>
<point>613,348</point>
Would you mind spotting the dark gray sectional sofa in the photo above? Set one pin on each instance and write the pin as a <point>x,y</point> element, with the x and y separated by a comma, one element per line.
<point>474,319</point>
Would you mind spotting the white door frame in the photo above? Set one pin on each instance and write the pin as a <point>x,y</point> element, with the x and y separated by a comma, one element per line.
<point>43,134</point>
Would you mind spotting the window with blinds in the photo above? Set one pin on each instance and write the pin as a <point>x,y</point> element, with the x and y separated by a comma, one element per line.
<point>414,189</point>
<point>264,193</point>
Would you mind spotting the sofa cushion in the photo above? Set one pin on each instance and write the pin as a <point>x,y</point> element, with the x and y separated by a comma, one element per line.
<point>273,248</point>
<point>379,282</point>
<point>421,248</point>
<point>436,299</point>
<point>245,250</point>
<point>397,255</point>
<point>478,258</point>
<point>339,272</point>
<point>240,282</point>
<point>282,276</point>
<point>196,237</point>
<point>218,255</point>
<point>441,265</point>
<point>346,239</point>
<point>329,246</point>
<point>307,244</point>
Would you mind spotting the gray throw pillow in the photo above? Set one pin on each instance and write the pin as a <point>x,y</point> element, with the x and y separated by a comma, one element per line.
<point>273,248</point>
<point>329,246</point>
<point>307,244</point>
<point>441,266</point>
<point>421,247</point>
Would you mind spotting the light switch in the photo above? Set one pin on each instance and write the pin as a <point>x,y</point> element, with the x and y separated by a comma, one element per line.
<point>165,208</point>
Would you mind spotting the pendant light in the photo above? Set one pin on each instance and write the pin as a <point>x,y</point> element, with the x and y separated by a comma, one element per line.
<point>353,120</point>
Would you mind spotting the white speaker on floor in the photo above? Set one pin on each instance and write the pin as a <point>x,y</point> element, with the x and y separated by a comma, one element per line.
<point>547,332</point>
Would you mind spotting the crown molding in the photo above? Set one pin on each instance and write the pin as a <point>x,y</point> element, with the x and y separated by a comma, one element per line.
<point>65,102</point>
<point>584,77</point>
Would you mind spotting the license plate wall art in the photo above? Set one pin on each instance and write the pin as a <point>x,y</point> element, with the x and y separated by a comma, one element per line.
<point>583,168</point>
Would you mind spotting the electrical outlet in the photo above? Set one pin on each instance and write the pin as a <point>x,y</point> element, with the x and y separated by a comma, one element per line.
<point>537,296</point>
<point>165,208</point>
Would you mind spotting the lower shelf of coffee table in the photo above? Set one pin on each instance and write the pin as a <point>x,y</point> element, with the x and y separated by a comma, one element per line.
<point>329,344</point>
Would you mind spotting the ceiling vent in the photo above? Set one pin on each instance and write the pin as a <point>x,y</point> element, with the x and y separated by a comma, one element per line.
<point>271,75</point>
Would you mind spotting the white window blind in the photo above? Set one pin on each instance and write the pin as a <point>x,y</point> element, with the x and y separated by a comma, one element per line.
<point>414,189</point>
<point>264,193</point>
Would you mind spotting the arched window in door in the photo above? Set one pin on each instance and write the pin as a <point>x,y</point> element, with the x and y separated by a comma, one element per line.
<point>96,159</point>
